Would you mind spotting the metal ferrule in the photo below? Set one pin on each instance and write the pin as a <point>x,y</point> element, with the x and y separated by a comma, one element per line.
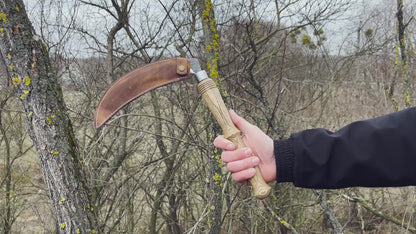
<point>201,75</point>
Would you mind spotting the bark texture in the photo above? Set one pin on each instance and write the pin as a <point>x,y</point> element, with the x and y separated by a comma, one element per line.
<point>49,126</point>
<point>215,180</point>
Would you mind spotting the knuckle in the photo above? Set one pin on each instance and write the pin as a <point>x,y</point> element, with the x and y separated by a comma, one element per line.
<point>237,177</point>
<point>232,167</point>
<point>218,141</point>
<point>239,165</point>
<point>243,175</point>
<point>226,156</point>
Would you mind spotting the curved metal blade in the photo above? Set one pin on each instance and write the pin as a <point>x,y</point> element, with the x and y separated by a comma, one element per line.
<point>137,83</point>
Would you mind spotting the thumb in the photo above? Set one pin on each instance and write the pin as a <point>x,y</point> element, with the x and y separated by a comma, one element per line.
<point>240,122</point>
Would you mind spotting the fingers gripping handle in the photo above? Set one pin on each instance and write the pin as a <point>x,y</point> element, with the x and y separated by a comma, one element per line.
<point>213,99</point>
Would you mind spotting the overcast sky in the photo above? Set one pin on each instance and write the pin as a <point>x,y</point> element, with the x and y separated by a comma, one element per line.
<point>98,23</point>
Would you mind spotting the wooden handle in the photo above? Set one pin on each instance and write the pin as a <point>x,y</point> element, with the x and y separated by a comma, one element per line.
<point>213,99</point>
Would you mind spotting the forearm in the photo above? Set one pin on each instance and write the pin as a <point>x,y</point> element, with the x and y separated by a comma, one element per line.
<point>375,152</point>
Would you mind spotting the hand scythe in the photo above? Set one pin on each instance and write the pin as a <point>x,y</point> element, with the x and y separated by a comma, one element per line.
<point>157,74</point>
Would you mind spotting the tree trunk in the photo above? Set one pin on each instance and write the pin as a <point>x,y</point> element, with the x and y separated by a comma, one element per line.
<point>168,173</point>
<point>401,28</point>
<point>49,126</point>
<point>215,180</point>
<point>7,218</point>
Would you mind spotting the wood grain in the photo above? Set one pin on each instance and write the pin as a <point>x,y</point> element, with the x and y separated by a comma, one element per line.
<point>215,103</point>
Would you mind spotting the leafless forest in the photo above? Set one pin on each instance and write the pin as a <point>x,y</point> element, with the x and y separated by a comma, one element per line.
<point>285,65</point>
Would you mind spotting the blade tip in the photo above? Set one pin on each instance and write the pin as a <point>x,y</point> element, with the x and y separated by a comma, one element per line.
<point>97,125</point>
<point>99,121</point>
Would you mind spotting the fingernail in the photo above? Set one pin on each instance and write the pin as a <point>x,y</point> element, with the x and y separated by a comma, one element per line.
<point>255,161</point>
<point>247,152</point>
<point>229,147</point>
<point>252,171</point>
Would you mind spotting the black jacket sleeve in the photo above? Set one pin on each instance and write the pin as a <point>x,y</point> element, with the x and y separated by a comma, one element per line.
<point>379,152</point>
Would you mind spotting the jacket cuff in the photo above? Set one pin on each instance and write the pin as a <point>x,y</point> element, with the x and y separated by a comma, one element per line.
<point>285,160</point>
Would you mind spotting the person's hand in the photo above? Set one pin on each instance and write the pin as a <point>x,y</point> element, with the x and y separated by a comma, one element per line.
<point>259,152</point>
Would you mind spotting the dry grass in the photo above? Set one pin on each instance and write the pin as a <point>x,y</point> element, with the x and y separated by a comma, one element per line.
<point>341,103</point>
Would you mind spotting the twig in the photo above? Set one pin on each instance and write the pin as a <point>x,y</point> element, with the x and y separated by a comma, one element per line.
<point>364,204</point>
<point>287,225</point>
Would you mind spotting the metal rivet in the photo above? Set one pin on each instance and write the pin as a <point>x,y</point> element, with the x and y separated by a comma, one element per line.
<point>181,68</point>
